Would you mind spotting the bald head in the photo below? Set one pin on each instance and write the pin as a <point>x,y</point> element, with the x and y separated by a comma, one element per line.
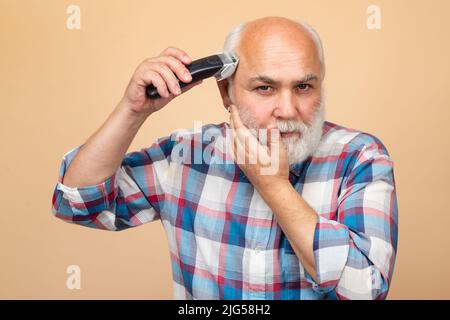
<point>280,38</point>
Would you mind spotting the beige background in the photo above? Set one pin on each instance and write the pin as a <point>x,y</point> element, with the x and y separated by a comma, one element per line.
<point>57,86</point>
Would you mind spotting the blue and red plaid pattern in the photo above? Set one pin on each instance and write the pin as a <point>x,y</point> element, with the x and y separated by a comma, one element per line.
<point>224,240</point>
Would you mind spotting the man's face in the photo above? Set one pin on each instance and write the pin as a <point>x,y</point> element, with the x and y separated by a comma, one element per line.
<point>278,84</point>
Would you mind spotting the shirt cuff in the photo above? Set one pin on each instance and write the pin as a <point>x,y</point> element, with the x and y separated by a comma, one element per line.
<point>88,199</point>
<point>331,248</point>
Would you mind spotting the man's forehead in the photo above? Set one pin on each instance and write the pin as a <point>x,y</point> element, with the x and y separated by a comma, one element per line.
<point>275,45</point>
<point>265,58</point>
<point>276,49</point>
<point>286,67</point>
<point>261,63</point>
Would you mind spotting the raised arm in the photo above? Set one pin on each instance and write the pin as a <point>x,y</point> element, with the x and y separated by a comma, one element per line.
<point>102,154</point>
<point>100,186</point>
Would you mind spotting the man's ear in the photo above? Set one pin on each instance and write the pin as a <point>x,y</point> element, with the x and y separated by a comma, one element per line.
<point>223,89</point>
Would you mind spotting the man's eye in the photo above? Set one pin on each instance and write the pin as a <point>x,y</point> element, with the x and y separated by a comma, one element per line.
<point>263,88</point>
<point>304,86</point>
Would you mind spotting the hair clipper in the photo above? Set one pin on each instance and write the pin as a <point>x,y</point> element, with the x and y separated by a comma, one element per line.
<point>220,66</point>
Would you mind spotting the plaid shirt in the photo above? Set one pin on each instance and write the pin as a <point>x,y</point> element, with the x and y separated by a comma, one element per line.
<point>224,240</point>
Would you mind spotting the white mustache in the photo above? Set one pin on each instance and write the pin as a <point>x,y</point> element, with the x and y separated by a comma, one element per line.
<point>286,126</point>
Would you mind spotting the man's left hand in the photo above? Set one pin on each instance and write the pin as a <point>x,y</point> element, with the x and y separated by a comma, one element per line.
<point>265,166</point>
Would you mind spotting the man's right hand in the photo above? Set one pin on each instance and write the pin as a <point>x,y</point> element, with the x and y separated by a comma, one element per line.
<point>162,72</point>
<point>102,154</point>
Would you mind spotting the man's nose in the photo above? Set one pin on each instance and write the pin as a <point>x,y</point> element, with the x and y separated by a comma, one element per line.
<point>286,106</point>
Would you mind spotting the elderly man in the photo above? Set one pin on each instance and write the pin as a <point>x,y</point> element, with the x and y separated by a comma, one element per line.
<point>321,225</point>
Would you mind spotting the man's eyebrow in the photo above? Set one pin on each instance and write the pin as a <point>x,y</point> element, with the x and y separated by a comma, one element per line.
<point>268,80</point>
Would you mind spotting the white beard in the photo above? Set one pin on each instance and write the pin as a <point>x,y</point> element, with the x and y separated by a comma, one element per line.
<point>298,148</point>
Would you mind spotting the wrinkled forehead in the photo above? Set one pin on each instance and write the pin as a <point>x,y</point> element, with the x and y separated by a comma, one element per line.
<point>277,56</point>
